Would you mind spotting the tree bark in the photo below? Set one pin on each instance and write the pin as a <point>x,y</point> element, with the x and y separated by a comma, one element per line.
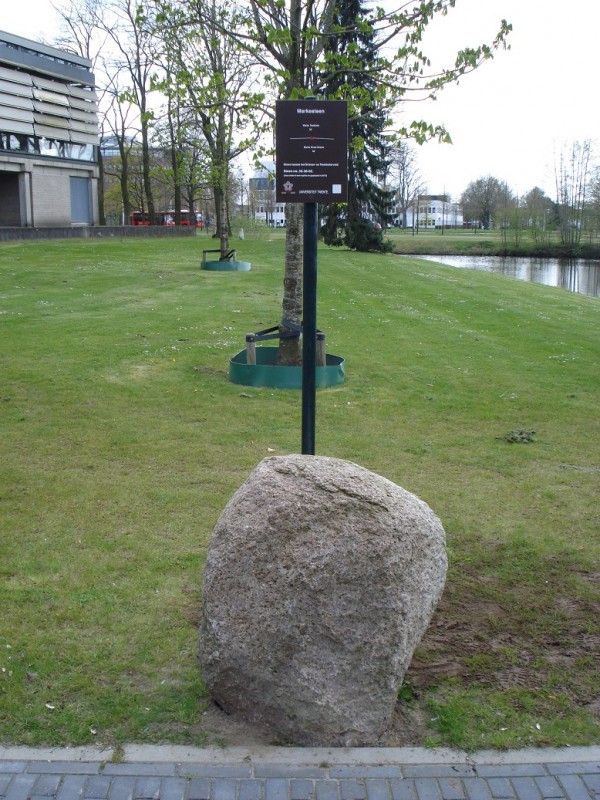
<point>146,169</point>
<point>221,227</point>
<point>124,180</point>
<point>176,180</point>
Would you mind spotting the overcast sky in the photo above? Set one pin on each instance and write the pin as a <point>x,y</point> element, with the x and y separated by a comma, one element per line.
<point>511,116</point>
<point>507,119</point>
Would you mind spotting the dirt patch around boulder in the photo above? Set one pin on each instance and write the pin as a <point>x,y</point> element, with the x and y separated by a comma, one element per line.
<point>478,641</point>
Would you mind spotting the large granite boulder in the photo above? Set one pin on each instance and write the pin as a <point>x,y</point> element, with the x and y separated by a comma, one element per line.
<point>320,581</point>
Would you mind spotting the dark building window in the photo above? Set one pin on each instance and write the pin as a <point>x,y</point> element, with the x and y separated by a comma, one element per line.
<point>80,200</point>
<point>41,146</point>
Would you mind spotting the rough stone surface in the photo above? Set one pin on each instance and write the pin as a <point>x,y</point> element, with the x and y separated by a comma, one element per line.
<point>320,581</point>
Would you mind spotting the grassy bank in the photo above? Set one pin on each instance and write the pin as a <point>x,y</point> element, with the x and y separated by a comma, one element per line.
<point>486,243</point>
<point>122,440</point>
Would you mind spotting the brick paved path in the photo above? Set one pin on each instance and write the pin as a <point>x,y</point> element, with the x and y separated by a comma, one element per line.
<point>246,778</point>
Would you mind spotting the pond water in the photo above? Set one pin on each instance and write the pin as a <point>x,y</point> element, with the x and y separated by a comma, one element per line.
<point>574,274</point>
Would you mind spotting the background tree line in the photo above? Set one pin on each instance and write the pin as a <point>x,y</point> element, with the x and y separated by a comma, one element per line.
<point>219,67</point>
<point>572,213</point>
<point>187,87</point>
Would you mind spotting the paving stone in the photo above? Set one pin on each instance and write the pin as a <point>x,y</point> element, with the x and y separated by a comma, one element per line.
<point>428,789</point>
<point>250,789</point>
<point>12,766</point>
<point>47,785</point>
<point>575,788</point>
<point>378,789</point>
<point>224,789</point>
<point>581,768</point>
<point>215,771</point>
<point>402,789</point>
<point>549,787</point>
<point>37,797</point>
<point>122,788</point>
<point>353,771</point>
<point>526,788</point>
<point>142,770</point>
<point>501,788</point>
<point>510,770</point>
<point>592,782</point>
<point>22,779</point>
<point>63,767</point>
<point>97,787</point>
<point>327,790</point>
<point>276,789</point>
<point>289,771</point>
<point>352,789</point>
<point>21,786</point>
<point>451,788</point>
<point>301,789</point>
<point>173,789</point>
<point>72,787</point>
<point>477,789</point>
<point>437,770</point>
<point>199,789</point>
<point>147,788</point>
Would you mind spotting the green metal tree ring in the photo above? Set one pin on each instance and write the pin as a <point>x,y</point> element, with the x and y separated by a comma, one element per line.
<point>266,371</point>
<point>227,266</point>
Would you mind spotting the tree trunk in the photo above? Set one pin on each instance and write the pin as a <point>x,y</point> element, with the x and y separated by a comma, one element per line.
<point>177,203</point>
<point>224,232</point>
<point>218,210</point>
<point>221,228</point>
<point>290,350</point>
<point>146,170</point>
<point>124,183</point>
<point>176,183</point>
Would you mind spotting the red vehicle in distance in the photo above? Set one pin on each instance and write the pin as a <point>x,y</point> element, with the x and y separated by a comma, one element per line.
<point>139,218</point>
<point>188,218</point>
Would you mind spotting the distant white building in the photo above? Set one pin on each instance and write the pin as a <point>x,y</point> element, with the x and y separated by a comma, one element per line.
<point>261,197</point>
<point>431,211</point>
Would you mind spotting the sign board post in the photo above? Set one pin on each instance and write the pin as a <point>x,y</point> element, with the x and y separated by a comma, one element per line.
<point>311,156</point>
<point>309,329</point>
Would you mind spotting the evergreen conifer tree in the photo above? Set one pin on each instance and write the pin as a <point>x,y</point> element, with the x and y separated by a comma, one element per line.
<point>359,223</point>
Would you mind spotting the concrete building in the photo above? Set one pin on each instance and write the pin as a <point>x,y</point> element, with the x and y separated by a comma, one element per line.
<point>431,211</point>
<point>48,136</point>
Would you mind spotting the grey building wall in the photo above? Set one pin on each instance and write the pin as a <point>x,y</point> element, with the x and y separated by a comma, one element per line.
<point>48,136</point>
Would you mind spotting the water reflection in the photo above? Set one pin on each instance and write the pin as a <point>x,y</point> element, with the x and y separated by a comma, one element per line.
<point>573,274</point>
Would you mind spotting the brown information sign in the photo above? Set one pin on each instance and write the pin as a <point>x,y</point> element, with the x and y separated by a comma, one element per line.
<point>311,152</point>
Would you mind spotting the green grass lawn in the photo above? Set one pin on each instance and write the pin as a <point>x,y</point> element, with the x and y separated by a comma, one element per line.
<point>437,242</point>
<point>122,440</point>
<point>493,242</point>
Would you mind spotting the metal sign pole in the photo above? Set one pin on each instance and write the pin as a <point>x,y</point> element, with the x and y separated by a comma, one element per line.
<point>309,329</point>
<point>311,167</point>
